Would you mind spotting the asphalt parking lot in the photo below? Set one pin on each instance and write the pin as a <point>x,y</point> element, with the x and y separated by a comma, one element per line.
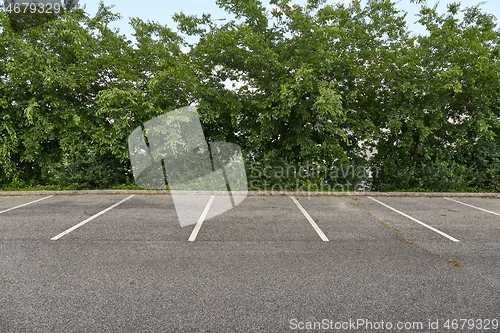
<point>374,263</point>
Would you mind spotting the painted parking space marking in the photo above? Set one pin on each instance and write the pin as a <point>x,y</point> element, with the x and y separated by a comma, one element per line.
<point>91,218</point>
<point>26,204</point>
<point>415,220</point>
<point>197,228</point>
<point>465,204</point>
<point>309,218</point>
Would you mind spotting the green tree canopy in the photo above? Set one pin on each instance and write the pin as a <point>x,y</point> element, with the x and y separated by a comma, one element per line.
<point>319,86</point>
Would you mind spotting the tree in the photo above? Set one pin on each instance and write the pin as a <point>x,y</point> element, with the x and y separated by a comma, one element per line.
<point>312,78</point>
<point>445,108</point>
<point>52,74</point>
<point>316,89</point>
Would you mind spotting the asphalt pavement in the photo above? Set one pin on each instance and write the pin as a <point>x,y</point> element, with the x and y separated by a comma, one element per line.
<point>121,262</point>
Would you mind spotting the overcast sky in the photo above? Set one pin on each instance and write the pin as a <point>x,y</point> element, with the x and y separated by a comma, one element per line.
<point>162,10</point>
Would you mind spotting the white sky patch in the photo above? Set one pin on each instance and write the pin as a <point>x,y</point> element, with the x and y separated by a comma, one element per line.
<point>236,85</point>
<point>272,8</point>
<point>233,85</point>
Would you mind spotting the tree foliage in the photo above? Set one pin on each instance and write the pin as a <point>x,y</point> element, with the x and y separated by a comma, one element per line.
<point>334,92</point>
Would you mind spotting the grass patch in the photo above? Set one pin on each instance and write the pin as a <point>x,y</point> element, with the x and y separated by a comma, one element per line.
<point>455,263</point>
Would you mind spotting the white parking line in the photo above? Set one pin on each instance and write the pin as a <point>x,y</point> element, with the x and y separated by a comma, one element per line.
<point>196,229</point>
<point>463,203</point>
<point>26,204</point>
<point>90,218</point>
<point>309,218</point>
<point>419,222</point>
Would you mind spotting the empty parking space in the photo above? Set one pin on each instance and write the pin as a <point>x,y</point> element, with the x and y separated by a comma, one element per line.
<point>93,217</point>
<point>260,219</point>
<point>10,203</point>
<point>410,229</point>
<point>477,230</point>
<point>341,219</point>
<point>142,218</point>
<point>50,217</point>
<point>462,222</point>
<point>313,223</point>
<point>490,206</point>
<point>418,221</point>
